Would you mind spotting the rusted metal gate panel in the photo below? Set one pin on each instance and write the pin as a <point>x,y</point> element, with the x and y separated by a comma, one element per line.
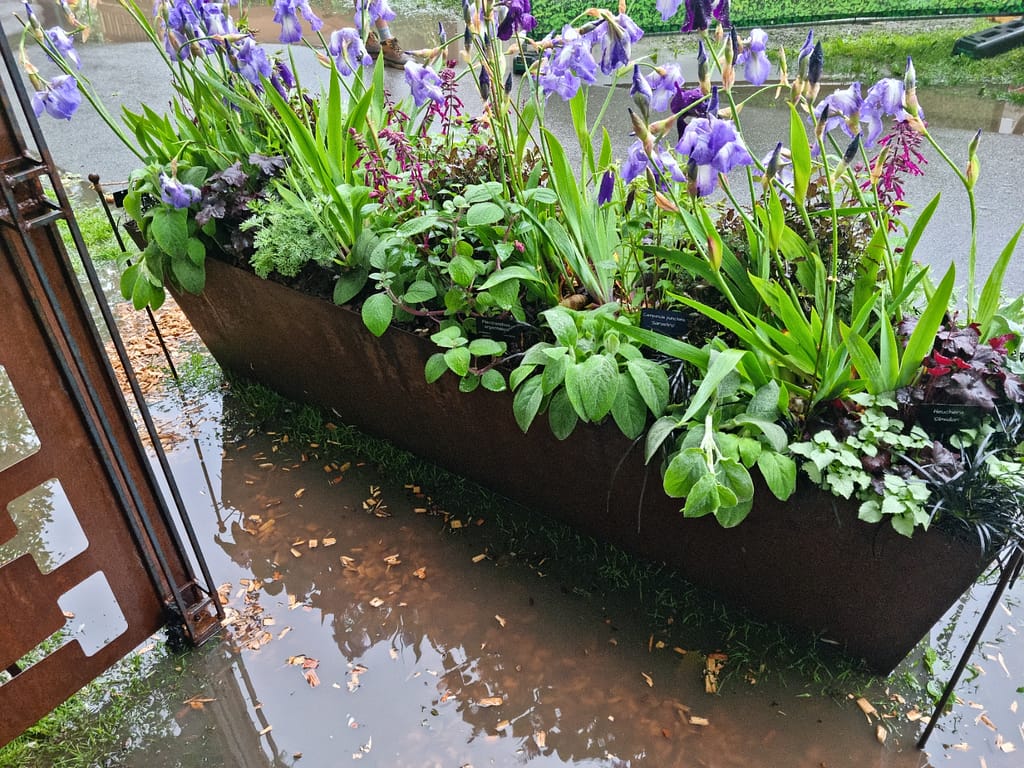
<point>91,563</point>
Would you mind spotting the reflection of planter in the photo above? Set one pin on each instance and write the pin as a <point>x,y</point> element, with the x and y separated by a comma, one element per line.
<point>807,562</point>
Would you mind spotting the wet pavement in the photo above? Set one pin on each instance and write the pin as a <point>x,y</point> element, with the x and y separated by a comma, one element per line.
<point>368,624</point>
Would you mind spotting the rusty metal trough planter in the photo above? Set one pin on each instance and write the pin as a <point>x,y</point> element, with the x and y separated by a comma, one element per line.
<point>807,562</point>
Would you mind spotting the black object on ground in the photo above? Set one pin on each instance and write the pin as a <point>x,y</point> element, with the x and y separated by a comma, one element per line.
<point>991,42</point>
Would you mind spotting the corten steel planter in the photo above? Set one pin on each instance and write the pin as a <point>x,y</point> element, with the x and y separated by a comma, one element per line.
<point>807,562</point>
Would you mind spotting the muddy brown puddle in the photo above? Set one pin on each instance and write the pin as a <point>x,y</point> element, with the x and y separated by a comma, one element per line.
<point>364,630</point>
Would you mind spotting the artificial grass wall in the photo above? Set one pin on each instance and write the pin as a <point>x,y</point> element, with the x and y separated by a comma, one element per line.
<point>554,14</point>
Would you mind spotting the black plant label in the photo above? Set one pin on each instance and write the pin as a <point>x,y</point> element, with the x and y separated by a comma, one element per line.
<point>667,322</point>
<point>948,418</point>
<point>510,331</point>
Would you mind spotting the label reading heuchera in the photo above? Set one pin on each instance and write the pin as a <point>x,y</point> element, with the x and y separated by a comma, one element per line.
<point>667,322</point>
<point>945,419</point>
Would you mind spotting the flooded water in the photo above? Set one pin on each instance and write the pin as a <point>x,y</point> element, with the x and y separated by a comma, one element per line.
<point>367,624</point>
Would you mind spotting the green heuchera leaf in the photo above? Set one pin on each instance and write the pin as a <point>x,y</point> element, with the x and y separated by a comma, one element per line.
<point>458,360</point>
<point>377,313</point>
<point>779,472</point>
<point>629,409</point>
<point>527,402</point>
<point>562,418</point>
<point>436,367</point>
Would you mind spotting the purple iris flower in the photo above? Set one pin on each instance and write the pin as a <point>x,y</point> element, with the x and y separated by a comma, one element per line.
<point>607,187</point>
<point>518,18</point>
<point>661,163</point>
<point>176,194</point>
<point>668,8</point>
<point>756,66</point>
<point>663,81</point>
<point>286,14</point>
<point>844,108</point>
<point>569,64</point>
<point>713,147</point>
<point>252,62</point>
<point>60,98</point>
<point>375,10</point>
<point>884,98</point>
<point>349,52</point>
<point>424,83</point>
<point>700,12</point>
<point>282,78</point>
<point>64,45</point>
<point>641,93</point>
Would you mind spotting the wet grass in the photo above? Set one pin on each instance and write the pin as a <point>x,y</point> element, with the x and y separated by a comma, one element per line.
<point>874,55</point>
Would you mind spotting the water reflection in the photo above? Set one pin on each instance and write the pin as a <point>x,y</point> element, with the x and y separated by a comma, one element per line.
<point>478,661</point>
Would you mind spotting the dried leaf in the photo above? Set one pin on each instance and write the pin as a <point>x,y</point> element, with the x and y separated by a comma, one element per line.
<point>500,619</point>
<point>867,708</point>
<point>479,558</point>
<point>420,573</point>
<point>296,661</point>
<point>694,720</point>
<point>985,719</point>
<point>312,678</point>
<point>198,702</point>
<point>490,701</point>
<point>376,602</point>
<point>881,734</point>
<point>647,679</point>
<point>299,493</point>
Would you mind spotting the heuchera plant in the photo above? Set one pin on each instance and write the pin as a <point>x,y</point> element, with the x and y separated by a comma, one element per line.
<point>534,260</point>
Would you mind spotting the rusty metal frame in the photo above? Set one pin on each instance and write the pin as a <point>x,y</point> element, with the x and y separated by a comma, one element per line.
<point>134,537</point>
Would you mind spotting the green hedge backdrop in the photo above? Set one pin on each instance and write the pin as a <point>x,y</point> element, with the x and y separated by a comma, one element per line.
<point>553,14</point>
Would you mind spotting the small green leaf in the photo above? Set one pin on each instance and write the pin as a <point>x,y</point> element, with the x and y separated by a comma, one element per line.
<point>493,380</point>
<point>169,228</point>
<point>463,270</point>
<point>458,360</point>
<point>191,276</point>
<point>520,374</point>
<point>348,285</point>
<point>651,382</point>
<point>419,292</point>
<point>486,347</point>
<point>703,497</point>
<point>562,417</point>
<point>436,367</point>
<point>377,313</point>
<point>482,214</point>
<point>563,325</point>
<point>629,409</point>
<point>659,432</point>
<point>469,382</point>
<point>683,472</point>
<point>734,514</point>
<point>779,472</point>
<point>527,402</point>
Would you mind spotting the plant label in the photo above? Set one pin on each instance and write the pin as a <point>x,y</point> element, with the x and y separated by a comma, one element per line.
<point>947,418</point>
<point>667,322</point>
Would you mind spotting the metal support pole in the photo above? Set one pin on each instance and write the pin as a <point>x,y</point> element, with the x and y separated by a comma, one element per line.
<point>1009,574</point>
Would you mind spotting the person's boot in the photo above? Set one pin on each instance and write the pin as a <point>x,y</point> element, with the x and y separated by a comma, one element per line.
<point>394,56</point>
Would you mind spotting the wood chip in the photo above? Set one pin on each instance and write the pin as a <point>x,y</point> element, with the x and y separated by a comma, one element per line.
<point>299,493</point>
<point>867,708</point>
<point>490,701</point>
<point>296,553</point>
<point>500,619</point>
<point>881,733</point>
<point>376,602</point>
<point>541,738</point>
<point>702,721</point>
<point>479,558</point>
<point>329,541</point>
<point>266,730</point>
<point>647,679</point>
<point>420,573</point>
